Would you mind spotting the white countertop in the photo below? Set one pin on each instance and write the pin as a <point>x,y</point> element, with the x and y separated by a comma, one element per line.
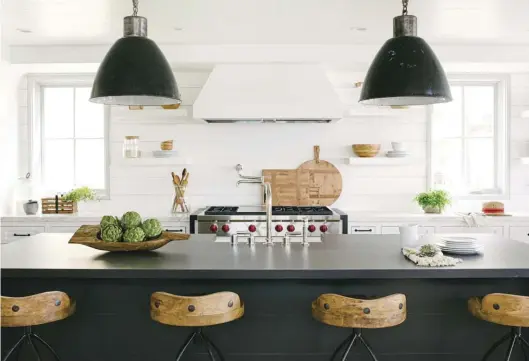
<point>84,217</point>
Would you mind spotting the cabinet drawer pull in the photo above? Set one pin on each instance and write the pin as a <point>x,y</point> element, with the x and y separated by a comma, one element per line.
<point>21,234</point>
<point>363,230</point>
<point>177,230</point>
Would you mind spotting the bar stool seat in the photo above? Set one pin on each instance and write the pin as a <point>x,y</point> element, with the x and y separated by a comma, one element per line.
<point>507,310</point>
<point>340,311</point>
<point>35,310</point>
<point>198,312</point>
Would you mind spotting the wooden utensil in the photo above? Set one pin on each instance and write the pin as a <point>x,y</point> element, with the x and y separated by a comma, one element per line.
<point>288,186</point>
<point>325,181</point>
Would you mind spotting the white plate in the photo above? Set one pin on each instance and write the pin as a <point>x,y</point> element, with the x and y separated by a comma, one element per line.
<point>396,155</point>
<point>458,239</point>
<point>464,253</point>
<point>163,153</point>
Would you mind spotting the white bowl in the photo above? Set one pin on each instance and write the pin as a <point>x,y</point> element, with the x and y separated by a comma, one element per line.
<point>397,146</point>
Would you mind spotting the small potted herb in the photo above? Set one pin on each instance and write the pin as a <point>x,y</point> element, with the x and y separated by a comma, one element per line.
<point>80,194</point>
<point>433,201</point>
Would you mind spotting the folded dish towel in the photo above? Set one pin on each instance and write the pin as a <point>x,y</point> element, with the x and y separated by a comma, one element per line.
<point>437,259</point>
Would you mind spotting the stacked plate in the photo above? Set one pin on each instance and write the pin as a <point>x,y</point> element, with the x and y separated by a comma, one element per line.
<point>397,154</point>
<point>460,245</point>
<point>163,153</point>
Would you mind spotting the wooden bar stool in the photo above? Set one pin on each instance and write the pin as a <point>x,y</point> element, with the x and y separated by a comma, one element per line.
<point>196,312</point>
<point>340,311</point>
<point>35,310</point>
<point>507,310</point>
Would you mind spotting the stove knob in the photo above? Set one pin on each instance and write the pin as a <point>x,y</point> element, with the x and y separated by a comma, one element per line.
<point>279,228</point>
<point>213,228</point>
<point>323,228</point>
<point>252,228</point>
<point>226,228</point>
<point>311,228</point>
<point>291,228</point>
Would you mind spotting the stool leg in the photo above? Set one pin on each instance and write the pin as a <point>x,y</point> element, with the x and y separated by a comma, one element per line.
<point>17,347</point>
<point>34,348</point>
<point>208,341</point>
<point>208,347</point>
<point>342,345</point>
<point>186,344</point>
<point>496,345</point>
<point>38,338</point>
<point>367,347</point>
<point>348,349</point>
<point>511,347</point>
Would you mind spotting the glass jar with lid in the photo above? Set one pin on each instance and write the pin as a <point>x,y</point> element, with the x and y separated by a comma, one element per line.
<point>131,147</point>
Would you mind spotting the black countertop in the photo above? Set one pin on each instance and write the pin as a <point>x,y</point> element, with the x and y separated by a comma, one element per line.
<point>339,257</point>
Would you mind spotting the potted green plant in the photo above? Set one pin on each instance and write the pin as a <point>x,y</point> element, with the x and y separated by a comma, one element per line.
<point>433,201</point>
<point>80,194</point>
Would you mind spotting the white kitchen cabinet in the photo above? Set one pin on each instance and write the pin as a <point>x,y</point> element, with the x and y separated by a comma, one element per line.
<point>13,233</point>
<point>360,229</point>
<point>395,230</point>
<point>519,233</point>
<point>461,229</point>
<point>174,227</point>
<point>71,228</point>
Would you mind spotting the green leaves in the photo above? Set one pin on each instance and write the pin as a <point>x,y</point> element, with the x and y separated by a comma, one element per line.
<point>434,199</point>
<point>80,194</point>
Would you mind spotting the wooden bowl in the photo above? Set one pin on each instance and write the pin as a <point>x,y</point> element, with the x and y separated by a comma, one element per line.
<point>366,150</point>
<point>87,235</point>
<point>166,145</point>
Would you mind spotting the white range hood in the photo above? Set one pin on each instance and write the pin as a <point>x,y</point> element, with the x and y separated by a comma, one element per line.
<point>297,93</point>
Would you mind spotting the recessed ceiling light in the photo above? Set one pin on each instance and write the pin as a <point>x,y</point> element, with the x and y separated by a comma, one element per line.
<point>358,28</point>
<point>177,28</point>
<point>24,30</point>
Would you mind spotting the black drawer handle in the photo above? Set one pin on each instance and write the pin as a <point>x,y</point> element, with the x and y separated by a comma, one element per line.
<point>178,230</point>
<point>363,230</point>
<point>21,234</point>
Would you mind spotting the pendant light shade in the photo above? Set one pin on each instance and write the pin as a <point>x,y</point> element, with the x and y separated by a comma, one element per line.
<point>405,71</point>
<point>135,71</point>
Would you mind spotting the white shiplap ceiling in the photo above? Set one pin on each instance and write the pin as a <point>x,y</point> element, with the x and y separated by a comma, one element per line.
<point>66,22</point>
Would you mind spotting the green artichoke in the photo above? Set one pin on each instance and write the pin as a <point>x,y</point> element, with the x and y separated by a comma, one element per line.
<point>152,227</point>
<point>111,233</point>
<point>135,234</point>
<point>108,221</point>
<point>428,250</point>
<point>130,220</point>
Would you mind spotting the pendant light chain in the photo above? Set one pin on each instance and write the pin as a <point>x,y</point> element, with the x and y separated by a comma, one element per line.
<point>405,7</point>
<point>134,7</point>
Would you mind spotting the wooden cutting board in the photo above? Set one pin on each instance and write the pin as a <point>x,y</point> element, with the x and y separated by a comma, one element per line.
<point>315,182</point>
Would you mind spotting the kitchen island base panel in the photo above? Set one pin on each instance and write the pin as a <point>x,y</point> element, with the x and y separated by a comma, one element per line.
<point>112,320</point>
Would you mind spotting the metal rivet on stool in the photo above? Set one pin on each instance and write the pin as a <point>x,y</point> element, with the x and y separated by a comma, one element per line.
<point>230,304</point>
<point>58,303</point>
<point>157,304</point>
<point>367,311</point>
<point>191,308</point>
<point>400,306</point>
<point>496,306</point>
<point>15,308</point>
<point>326,306</point>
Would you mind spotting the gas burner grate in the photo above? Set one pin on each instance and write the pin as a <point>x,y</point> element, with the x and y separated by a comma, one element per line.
<point>301,211</point>
<point>214,211</point>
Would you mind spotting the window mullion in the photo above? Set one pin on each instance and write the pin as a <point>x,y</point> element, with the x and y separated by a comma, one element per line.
<point>74,142</point>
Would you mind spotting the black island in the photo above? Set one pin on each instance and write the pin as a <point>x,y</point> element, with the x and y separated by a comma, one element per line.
<point>277,285</point>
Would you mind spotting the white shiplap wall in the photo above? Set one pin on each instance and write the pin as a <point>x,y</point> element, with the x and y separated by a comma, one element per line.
<point>216,149</point>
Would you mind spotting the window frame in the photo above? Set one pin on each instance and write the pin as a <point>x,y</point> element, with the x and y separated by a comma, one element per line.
<point>35,131</point>
<point>501,133</point>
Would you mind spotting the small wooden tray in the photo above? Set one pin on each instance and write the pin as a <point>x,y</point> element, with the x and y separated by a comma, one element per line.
<point>87,235</point>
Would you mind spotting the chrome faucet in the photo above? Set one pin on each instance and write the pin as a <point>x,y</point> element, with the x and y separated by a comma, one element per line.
<point>267,189</point>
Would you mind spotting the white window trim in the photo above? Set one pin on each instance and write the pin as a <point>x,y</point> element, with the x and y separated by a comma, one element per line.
<point>502,129</point>
<point>35,134</point>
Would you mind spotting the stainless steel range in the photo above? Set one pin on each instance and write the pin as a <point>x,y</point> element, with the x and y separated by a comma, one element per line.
<point>304,224</point>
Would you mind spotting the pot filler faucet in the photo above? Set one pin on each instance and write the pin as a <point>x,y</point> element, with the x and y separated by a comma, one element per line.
<point>267,188</point>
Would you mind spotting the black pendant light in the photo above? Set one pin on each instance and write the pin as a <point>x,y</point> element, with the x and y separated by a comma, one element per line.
<point>135,71</point>
<point>405,71</point>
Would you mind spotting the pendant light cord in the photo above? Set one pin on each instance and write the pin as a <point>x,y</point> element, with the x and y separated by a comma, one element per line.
<point>134,7</point>
<point>405,7</point>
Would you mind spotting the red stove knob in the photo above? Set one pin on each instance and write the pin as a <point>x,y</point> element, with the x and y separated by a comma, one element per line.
<point>311,228</point>
<point>252,228</point>
<point>279,228</point>
<point>291,228</point>
<point>226,228</point>
<point>323,228</point>
<point>213,228</point>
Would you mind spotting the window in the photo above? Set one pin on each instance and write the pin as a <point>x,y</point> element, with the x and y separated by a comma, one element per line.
<point>468,139</point>
<point>71,135</point>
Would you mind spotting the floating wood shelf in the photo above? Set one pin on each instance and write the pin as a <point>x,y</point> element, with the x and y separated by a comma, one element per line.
<point>378,161</point>
<point>150,161</point>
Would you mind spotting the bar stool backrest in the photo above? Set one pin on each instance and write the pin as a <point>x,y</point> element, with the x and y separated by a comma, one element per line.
<point>36,309</point>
